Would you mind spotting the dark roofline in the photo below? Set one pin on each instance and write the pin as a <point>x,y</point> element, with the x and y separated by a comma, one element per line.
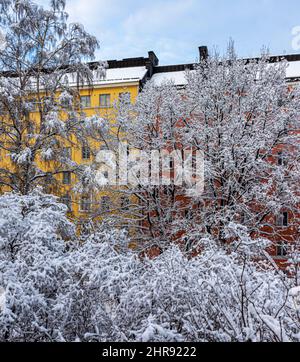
<point>150,62</point>
<point>132,62</point>
<point>276,58</point>
<point>182,67</point>
<point>173,68</point>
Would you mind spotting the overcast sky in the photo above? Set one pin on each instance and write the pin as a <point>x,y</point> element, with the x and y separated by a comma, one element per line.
<point>175,28</point>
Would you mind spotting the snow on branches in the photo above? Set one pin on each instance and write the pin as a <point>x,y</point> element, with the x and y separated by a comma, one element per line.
<point>54,287</point>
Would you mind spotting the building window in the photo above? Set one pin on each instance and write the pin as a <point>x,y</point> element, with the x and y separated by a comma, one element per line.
<point>281,159</point>
<point>189,214</point>
<point>104,100</point>
<point>282,220</point>
<point>281,249</point>
<point>85,203</point>
<point>125,97</point>
<point>2,110</point>
<point>85,101</point>
<point>66,104</point>
<point>32,105</point>
<point>105,204</point>
<point>67,200</point>
<point>67,153</point>
<point>125,203</point>
<point>245,218</point>
<point>223,202</point>
<point>86,152</point>
<point>209,192</point>
<point>66,178</point>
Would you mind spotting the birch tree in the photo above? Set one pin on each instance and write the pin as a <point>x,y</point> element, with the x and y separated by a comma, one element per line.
<point>43,62</point>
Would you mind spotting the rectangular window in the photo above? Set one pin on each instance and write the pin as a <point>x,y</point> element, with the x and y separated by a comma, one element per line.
<point>67,178</point>
<point>189,214</point>
<point>105,204</point>
<point>104,100</point>
<point>66,104</point>
<point>282,220</point>
<point>85,203</point>
<point>210,192</point>
<point>125,203</point>
<point>285,219</point>
<point>85,101</point>
<point>32,105</point>
<point>67,200</point>
<point>125,97</point>
<point>281,249</point>
<point>245,218</point>
<point>86,152</point>
<point>67,153</point>
<point>281,158</point>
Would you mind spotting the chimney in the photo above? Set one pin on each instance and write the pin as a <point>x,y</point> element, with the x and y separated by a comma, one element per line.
<point>153,58</point>
<point>151,62</point>
<point>203,53</point>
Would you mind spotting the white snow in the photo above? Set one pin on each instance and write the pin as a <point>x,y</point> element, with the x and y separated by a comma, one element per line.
<point>2,299</point>
<point>178,78</point>
<point>111,76</point>
<point>295,292</point>
<point>293,69</point>
<point>124,74</point>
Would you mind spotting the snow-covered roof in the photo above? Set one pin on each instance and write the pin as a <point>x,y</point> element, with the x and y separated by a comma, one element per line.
<point>110,76</point>
<point>177,77</point>
<point>293,70</point>
<point>117,75</point>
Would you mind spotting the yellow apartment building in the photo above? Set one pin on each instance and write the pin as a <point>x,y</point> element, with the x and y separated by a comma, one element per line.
<point>122,77</point>
<point>125,76</point>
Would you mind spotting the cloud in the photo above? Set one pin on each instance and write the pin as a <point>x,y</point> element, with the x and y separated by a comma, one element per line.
<point>160,17</point>
<point>175,28</point>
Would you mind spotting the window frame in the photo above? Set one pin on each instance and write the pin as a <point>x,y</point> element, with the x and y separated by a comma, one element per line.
<point>107,104</point>
<point>281,249</point>
<point>85,104</point>
<point>106,203</point>
<point>122,97</point>
<point>125,203</point>
<point>67,153</point>
<point>67,200</point>
<point>67,180</point>
<point>85,152</point>
<point>282,219</point>
<point>89,202</point>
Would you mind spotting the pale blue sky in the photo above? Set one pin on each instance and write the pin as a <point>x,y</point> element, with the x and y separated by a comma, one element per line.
<point>175,28</point>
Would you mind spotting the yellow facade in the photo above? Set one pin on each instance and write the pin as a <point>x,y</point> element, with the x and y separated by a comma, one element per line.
<point>64,188</point>
<point>77,154</point>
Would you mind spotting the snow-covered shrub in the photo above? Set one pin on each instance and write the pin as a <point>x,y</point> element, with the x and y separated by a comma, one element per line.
<point>52,288</point>
<point>93,278</point>
<point>56,287</point>
<point>33,234</point>
<point>213,297</point>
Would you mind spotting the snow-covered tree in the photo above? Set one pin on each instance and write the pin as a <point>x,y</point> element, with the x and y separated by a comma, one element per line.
<point>33,234</point>
<point>244,117</point>
<point>42,64</point>
<point>54,287</point>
